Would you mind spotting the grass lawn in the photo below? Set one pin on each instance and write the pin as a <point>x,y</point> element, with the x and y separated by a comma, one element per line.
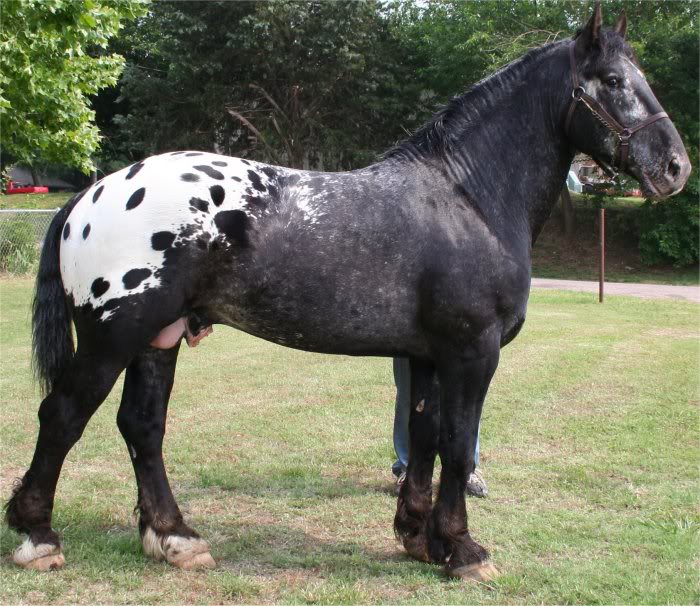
<point>281,460</point>
<point>34,201</point>
<point>587,201</point>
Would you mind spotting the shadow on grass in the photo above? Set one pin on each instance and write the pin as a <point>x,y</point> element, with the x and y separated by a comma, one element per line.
<point>95,545</point>
<point>290,482</point>
<point>260,550</point>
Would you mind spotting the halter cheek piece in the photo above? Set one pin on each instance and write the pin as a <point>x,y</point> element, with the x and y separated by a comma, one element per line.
<point>624,133</point>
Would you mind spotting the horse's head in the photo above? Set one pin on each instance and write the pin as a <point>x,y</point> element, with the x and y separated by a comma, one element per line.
<point>615,118</point>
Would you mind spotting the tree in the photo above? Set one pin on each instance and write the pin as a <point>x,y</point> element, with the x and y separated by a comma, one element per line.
<point>51,59</point>
<point>322,84</point>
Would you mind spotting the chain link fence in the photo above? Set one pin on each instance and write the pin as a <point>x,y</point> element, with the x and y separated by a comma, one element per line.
<point>22,233</point>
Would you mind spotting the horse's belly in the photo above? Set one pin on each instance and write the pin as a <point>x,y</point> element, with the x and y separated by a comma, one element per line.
<point>326,327</point>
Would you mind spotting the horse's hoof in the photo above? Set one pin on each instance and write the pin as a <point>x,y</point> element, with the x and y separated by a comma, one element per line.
<point>479,572</point>
<point>197,561</point>
<point>187,553</point>
<point>417,547</point>
<point>43,557</point>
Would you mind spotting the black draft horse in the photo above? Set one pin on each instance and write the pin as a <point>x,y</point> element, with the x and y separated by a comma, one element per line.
<point>425,254</point>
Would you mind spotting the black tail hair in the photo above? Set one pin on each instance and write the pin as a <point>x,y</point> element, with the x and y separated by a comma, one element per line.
<point>52,334</point>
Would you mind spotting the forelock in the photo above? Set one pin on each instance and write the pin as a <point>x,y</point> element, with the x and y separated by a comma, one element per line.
<point>612,45</point>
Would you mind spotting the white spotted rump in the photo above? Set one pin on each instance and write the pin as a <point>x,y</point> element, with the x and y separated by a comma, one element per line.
<point>115,238</point>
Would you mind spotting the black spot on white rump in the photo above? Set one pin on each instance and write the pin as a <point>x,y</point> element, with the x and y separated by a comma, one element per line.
<point>255,180</point>
<point>98,193</point>
<point>134,277</point>
<point>134,169</point>
<point>217,194</point>
<point>189,177</point>
<point>238,179</point>
<point>233,224</point>
<point>136,198</point>
<point>194,154</point>
<point>162,240</point>
<point>66,231</point>
<point>199,204</point>
<point>209,171</point>
<point>219,163</point>
<point>99,287</point>
<point>86,231</point>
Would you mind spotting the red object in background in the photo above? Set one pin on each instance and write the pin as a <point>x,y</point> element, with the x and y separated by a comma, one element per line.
<point>12,188</point>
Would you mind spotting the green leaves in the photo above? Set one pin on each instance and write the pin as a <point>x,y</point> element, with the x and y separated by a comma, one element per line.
<point>51,59</point>
<point>324,84</point>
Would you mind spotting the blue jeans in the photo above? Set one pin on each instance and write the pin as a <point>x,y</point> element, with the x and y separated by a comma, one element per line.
<point>402,379</point>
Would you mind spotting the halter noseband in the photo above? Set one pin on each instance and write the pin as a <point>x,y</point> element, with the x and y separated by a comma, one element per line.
<point>624,133</point>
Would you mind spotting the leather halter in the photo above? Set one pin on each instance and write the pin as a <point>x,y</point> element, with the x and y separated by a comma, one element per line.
<point>624,133</point>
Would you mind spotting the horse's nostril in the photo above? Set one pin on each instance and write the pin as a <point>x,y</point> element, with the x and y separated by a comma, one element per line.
<point>674,168</point>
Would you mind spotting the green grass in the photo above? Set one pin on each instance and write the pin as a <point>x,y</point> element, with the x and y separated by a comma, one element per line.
<point>586,269</point>
<point>32,201</point>
<point>281,460</point>
<point>612,202</point>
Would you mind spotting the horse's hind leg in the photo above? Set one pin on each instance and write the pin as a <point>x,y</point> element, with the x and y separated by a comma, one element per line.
<point>63,415</point>
<point>141,419</point>
<point>415,498</point>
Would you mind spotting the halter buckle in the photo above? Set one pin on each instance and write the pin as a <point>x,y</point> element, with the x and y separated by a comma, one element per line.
<point>577,93</point>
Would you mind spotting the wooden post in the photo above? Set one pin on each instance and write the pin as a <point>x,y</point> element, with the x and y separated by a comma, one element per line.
<point>602,256</point>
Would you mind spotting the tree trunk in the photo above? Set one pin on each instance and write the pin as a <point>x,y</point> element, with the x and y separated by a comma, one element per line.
<point>35,176</point>
<point>567,213</point>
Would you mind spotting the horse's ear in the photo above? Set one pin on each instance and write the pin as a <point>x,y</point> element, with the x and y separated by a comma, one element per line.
<point>590,34</point>
<point>621,25</point>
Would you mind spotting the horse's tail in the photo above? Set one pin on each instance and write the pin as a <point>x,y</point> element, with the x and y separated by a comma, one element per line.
<point>52,334</point>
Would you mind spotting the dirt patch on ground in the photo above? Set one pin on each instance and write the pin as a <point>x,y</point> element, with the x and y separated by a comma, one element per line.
<point>674,333</point>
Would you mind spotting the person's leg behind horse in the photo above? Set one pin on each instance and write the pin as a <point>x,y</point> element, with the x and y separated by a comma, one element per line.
<point>402,413</point>
<point>476,484</point>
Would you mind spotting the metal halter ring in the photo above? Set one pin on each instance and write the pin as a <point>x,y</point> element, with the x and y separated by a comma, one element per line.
<point>578,92</point>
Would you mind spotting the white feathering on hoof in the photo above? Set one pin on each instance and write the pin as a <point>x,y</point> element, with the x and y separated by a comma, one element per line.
<point>43,556</point>
<point>184,552</point>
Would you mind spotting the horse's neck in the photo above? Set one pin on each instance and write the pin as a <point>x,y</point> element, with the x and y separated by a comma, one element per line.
<point>511,157</point>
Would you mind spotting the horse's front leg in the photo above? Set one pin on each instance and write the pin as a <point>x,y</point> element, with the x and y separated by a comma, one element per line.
<point>141,419</point>
<point>415,497</point>
<point>464,381</point>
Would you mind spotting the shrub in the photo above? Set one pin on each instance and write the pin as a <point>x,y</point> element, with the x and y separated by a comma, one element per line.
<point>669,229</point>
<point>18,247</point>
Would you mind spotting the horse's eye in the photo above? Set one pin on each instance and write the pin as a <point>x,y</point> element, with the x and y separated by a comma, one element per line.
<point>612,81</point>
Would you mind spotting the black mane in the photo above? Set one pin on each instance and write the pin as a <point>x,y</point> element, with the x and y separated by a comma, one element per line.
<point>435,138</point>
